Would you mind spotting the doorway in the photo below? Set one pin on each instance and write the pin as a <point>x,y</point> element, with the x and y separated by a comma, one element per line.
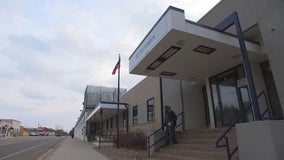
<point>230,96</point>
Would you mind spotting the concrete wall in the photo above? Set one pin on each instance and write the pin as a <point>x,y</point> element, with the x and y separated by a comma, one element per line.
<point>16,125</point>
<point>242,7</point>
<point>80,128</point>
<point>172,96</point>
<point>271,25</point>
<point>138,96</point>
<point>194,110</point>
<point>182,96</point>
<point>261,140</point>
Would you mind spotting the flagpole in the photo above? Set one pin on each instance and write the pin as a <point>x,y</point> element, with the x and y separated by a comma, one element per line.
<point>118,91</point>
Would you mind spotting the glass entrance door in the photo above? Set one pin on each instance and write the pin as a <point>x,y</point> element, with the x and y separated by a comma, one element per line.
<point>229,96</point>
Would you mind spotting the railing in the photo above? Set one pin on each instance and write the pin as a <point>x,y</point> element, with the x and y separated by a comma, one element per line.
<point>149,146</point>
<point>105,136</point>
<point>224,135</point>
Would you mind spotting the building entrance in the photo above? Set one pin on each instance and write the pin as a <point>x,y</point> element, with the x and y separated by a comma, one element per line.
<point>230,96</point>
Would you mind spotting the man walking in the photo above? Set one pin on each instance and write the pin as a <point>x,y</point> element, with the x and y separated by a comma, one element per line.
<point>170,123</point>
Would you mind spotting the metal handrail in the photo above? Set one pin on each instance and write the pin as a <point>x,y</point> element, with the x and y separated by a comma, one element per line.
<point>224,135</point>
<point>160,139</point>
<point>105,136</point>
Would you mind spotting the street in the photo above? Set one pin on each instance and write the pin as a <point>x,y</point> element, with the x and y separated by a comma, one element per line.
<point>26,148</point>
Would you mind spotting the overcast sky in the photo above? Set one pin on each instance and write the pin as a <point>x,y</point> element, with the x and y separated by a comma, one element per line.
<point>50,50</point>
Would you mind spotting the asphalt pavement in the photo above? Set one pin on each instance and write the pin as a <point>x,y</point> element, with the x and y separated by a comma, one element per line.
<point>26,148</point>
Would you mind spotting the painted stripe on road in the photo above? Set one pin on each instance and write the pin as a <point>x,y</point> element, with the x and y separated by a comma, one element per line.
<point>11,155</point>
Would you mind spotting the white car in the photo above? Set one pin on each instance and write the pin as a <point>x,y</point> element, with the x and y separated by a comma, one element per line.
<point>33,134</point>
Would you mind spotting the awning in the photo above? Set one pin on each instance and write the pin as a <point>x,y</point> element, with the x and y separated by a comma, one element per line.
<point>181,49</point>
<point>108,110</point>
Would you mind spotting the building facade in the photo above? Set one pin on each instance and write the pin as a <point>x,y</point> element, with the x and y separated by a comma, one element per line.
<point>202,57</point>
<point>98,100</point>
<point>219,70</point>
<point>201,71</point>
<point>9,127</point>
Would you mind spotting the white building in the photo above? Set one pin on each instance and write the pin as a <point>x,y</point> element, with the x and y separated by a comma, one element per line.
<point>9,127</point>
<point>200,69</point>
<point>94,98</point>
<point>204,72</point>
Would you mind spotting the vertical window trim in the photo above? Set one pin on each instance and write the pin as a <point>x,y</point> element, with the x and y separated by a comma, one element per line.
<point>150,113</point>
<point>111,123</point>
<point>135,118</point>
<point>124,115</point>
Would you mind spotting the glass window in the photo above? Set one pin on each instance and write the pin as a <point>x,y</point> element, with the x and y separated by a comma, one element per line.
<point>124,116</point>
<point>150,110</point>
<point>135,115</point>
<point>111,122</point>
<point>229,96</point>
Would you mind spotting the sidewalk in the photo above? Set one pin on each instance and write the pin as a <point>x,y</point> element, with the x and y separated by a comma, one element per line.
<point>75,149</point>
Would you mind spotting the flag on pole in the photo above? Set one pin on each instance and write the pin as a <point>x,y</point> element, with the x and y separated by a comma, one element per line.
<point>116,67</point>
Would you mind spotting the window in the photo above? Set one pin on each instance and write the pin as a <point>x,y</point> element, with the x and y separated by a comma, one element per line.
<point>124,116</point>
<point>111,122</point>
<point>116,121</point>
<point>150,110</point>
<point>135,115</point>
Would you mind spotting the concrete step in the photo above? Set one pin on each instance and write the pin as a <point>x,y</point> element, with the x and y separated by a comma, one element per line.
<point>206,142</point>
<point>203,137</point>
<point>208,147</point>
<point>171,156</point>
<point>209,130</point>
<point>205,134</point>
<point>196,140</point>
<point>189,146</point>
<point>178,154</point>
<point>197,152</point>
<point>197,145</point>
<point>168,156</point>
<point>201,147</point>
<point>203,140</point>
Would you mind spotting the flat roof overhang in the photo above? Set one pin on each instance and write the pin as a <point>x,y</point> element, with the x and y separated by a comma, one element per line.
<point>187,63</point>
<point>108,110</point>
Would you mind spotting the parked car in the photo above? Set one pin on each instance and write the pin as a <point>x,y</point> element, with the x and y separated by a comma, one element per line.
<point>58,134</point>
<point>33,134</point>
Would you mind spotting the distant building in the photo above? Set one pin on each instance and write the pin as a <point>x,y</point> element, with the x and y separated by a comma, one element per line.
<point>9,127</point>
<point>94,99</point>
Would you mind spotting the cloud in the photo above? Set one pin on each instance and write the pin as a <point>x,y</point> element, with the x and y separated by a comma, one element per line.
<point>26,42</point>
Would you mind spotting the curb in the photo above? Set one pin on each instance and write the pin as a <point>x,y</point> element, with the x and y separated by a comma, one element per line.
<point>48,154</point>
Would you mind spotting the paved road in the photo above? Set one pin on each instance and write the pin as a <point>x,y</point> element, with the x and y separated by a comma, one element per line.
<point>26,148</point>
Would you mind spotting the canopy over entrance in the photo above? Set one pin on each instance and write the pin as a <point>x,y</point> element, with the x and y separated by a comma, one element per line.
<point>185,50</point>
<point>107,109</point>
